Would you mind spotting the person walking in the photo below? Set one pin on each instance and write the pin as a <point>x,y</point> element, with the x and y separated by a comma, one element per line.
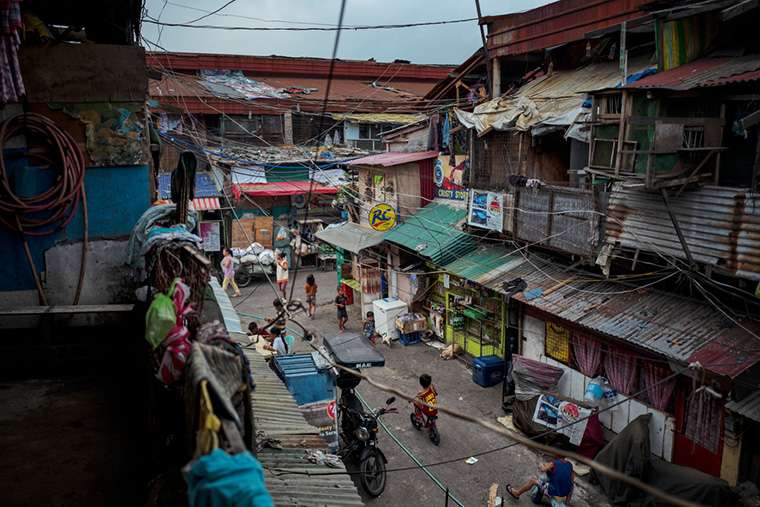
<point>340,302</point>
<point>282,275</point>
<point>228,266</point>
<point>311,295</point>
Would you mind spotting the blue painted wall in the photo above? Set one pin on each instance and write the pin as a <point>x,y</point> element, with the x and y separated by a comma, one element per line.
<point>116,198</point>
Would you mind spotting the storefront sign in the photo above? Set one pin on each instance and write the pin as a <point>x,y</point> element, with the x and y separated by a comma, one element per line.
<point>382,217</point>
<point>448,179</point>
<point>486,210</point>
<point>210,234</point>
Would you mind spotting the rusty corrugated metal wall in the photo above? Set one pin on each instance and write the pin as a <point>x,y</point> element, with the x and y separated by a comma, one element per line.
<point>721,225</point>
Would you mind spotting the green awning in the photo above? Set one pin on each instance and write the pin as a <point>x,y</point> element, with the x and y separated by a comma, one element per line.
<point>435,233</point>
<point>486,266</point>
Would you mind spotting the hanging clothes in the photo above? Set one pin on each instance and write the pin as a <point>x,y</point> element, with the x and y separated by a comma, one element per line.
<point>11,82</point>
<point>445,133</point>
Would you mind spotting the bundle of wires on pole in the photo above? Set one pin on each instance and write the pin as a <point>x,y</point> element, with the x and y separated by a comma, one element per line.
<point>24,207</point>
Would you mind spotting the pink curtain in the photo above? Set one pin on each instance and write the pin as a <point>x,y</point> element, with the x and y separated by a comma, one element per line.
<point>659,396</point>
<point>621,370</point>
<point>587,353</point>
<point>703,420</point>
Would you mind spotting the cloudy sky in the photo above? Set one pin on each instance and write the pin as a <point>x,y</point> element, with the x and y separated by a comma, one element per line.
<point>443,44</point>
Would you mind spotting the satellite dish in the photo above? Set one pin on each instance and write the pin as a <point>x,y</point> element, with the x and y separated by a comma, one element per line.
<point>299,200</point>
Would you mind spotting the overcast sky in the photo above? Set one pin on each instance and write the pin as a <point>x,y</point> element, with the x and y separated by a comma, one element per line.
<point>444,44</point>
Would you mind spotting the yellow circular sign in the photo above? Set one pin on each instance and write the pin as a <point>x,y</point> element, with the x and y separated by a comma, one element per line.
<point>382,217</point>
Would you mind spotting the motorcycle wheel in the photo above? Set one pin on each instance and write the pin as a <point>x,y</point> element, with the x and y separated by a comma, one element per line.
<point>373,474</point>
<point>242,279</point>
<point>415,422</point>
<point>433,434</point>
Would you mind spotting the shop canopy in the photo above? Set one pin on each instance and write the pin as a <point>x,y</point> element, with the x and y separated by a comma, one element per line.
<point>281,188</point>
<point>391,158</point>
<point>485,266</point>
<point>435,233</point>
<point>350,236</point>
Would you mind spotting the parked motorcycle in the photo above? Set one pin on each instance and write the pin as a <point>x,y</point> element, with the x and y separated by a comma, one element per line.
<point>358,432</point>
<point>419,420</point>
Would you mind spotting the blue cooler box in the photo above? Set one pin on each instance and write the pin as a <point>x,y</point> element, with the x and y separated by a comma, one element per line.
<point>487,371</point>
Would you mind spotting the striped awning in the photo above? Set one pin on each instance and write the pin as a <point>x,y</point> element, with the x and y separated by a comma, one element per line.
<point>201,204</point>
<point>205,204</point>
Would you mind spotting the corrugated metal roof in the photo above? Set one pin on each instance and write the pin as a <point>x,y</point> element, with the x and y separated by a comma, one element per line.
<point>255,65</point>
<point>281,188</point>
<point>350,236</point>
<point>437,227</point>
<point>748,407</point>
<point>675,327</point>
<point>400,119</point>
<point>349,95</point>
<point>204,185</point>
<point>275,412</point>
<point>483,261</point>
<point>702,73</point>
<point>392,158</point>
<point>555,23</point>
<point>721,225</point>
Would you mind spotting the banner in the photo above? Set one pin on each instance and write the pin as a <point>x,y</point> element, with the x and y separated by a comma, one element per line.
<point>486,210</point>
<point>558,414</point>
<point>210,235</point>
<point>448,179</point>
<point>321,414</point>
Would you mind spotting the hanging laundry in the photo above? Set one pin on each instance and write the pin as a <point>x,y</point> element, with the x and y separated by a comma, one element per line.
<point>445,133</point>
<point>11,82</point>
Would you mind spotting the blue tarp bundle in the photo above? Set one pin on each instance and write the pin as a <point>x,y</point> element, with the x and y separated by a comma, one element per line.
<point>222,480</point>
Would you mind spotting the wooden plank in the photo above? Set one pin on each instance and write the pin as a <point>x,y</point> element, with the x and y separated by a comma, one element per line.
<point>738,9</point>
<point>486,131</point>
<point>492,495</point>
<point>83,73</point>
<point>64,310</point>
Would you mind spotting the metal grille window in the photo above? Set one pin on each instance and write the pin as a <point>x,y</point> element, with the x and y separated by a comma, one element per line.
<point>558,342</point>
<point>494,158</point>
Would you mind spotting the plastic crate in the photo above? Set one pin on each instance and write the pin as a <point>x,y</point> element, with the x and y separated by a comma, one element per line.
<point>487,371</point>
<point>409,338</point>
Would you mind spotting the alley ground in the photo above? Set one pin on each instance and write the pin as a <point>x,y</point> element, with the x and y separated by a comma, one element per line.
<point>459,440</point>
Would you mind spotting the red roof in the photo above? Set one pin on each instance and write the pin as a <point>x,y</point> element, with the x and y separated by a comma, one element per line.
<point>282,66</point>
<point>392,158</point>
<point>346,95</point>
<point>701,73</point>
<point>556,23</point>
<point>281,188</point>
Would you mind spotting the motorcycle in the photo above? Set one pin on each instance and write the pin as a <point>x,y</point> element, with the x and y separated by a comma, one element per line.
<point>358,431</point>
<point>419,419</point>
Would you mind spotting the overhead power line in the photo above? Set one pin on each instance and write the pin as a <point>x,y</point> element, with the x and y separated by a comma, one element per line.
<point>154,21</point>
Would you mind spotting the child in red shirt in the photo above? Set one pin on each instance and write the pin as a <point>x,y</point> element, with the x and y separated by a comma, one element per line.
<point>427,394</point>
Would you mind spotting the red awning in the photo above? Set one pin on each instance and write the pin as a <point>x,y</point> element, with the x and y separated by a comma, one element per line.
<point>281,188</point>
<point>392,158</point>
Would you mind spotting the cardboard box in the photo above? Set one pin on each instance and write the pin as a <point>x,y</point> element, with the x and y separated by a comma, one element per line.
<point>411,326</point>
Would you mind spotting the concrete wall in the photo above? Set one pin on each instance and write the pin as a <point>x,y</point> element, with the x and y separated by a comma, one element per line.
<point>573,385</point>
<point>116,198</point>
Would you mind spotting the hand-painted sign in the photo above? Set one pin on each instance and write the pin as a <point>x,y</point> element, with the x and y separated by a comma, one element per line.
<point>382,217</point>
<point>448,179</point>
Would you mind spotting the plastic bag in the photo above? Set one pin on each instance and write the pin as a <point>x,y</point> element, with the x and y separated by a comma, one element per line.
<point>255,248</point>
<point>266,257</point>
<point>160,319</point>
<point>177,348</point>
<point>249,259</point>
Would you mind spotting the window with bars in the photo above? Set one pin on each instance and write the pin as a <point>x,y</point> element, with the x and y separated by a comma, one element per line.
<point>494,159</point>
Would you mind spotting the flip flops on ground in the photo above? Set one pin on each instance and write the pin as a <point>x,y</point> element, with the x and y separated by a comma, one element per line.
<point>510,489</point>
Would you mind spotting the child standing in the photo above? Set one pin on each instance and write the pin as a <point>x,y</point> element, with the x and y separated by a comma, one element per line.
<point>427,394</point>
<point>282,274</point>
<point>228,266</point>
<point>369,327</point>
<point>278,322</point>
<point>340,302</point>
<point>311,295</point>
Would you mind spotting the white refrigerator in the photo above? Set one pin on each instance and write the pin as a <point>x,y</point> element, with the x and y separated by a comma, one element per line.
<point>386,311</point>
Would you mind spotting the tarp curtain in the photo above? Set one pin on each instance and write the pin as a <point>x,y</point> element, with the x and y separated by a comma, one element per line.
<point>659,395</point>
<point>588,354</point>
<point>620,367</point>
